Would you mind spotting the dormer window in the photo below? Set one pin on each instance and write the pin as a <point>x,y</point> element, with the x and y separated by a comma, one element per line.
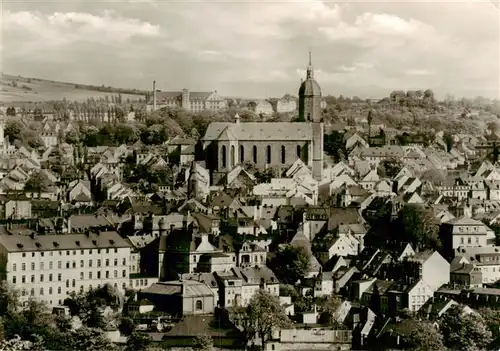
<point>94,242</point>
<point>20,245</point>
<point>77,243</point>
<point>56,244</point>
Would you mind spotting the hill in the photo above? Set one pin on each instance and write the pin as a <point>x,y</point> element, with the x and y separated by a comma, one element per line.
<point>24,89</point>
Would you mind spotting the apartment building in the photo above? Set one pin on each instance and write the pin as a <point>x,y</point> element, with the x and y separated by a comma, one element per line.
<point>49,267</point>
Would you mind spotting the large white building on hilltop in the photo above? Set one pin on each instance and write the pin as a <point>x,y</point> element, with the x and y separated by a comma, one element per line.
<point>49,267</point>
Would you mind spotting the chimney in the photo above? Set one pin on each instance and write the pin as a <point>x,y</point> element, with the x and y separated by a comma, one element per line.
<point>68,224</point>
<point>154,95</point>
<point>237,118</point>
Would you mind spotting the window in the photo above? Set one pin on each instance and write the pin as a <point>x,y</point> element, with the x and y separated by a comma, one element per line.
<point>232,161</point>
<point>107,262</point>
<point>99,275</point>
<point>116,250</point>
<point>73,283</point>
<point>299,151</point>
<point>116,262</point>
<point>59,290</point>
<point>24,254</point>
<point>107,251</point>
<point>42,266</point>
<point>254,154</point>
<point>198,305</point>
<point>82,263</point>
<point>74,252</point>
<point>124,273</point>
<point>90,263</point>
<point>32,254</point>
<point>469,240</point>
<point>283,156</point>
<point>32,292</point>
<point>50,277</point>
<point>107,274</point>
<point>41,278</point>
<point>462,240</point>
<point>242,154</point>
<point>23,266</point>
<point>14,280</point>
<point>67,283</point>
<point>67,264</point>
<point>74,264</point>
<point>41,291</point>
<point>98,251</point>
<point>82,277</point>
<point>124,261</point>
<point>32,278</point>
<point>223,156</point>
<point>14,267</point>
<point>90,275</point>
<point>59,277</point>
<point>50,265</point>
<point>99,263</point>
<point>50,290</point>
<point>82,252</point>
<point>67,253</point>
<point>268,153</point>
<point>59,264</point>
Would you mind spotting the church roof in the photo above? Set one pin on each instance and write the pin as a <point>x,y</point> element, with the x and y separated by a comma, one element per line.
<point>309,87</point>
<point>272,131</point>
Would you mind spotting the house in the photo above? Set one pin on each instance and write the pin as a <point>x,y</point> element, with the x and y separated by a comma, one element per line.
<point>465,232</point>
<point>181,297</point>
<point>429,266</point>
<point>15,206</point>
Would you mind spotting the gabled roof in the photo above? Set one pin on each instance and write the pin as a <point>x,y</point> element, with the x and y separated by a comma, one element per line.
<point>260,130</point>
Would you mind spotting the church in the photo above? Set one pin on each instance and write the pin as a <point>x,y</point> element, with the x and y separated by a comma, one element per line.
<point>269,144</point>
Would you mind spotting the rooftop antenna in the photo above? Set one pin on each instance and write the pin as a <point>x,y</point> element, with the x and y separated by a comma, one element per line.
<point>310,61</point>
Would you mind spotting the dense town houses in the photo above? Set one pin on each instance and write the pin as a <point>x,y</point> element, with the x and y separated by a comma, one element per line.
<point>347,232</point>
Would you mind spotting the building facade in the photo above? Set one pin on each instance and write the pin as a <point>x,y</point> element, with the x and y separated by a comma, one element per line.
<point>269,144</point>
<point>189,100</point>
<point>49,267</point>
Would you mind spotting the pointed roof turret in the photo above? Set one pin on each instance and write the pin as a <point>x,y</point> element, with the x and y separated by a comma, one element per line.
<point>310,70</point>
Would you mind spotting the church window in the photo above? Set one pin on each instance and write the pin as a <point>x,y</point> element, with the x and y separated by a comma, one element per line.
<point>199,305</point>
<point>233,156</point>
<point>298,151</point>
<point>268,152</point>
<point>283,157</point>
<point>242,154</point>
<point>254,154</point>
<point>223,156</point>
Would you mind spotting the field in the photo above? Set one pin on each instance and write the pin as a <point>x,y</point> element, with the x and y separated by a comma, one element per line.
<point>22,89</point>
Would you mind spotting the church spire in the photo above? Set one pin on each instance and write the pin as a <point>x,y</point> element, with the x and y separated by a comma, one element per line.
<point>310,71</point>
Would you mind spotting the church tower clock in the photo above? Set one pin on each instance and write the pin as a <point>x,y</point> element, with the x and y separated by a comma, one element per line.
<point>310,112</point>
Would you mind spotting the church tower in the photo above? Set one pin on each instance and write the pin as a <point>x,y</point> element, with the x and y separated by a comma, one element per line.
<point>310,112</point>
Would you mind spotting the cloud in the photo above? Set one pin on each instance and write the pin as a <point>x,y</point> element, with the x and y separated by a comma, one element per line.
<point>71,27</point>
<point>254,48</point>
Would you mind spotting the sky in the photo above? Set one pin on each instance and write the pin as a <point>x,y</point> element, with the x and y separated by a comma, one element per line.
<point>258,49</point>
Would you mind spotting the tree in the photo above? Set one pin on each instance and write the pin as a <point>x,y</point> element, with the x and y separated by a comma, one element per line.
<point>389,167</point>
<point>417,226</point>
<point>329,308</point>
<point>290,263</point>
<point>38,182</point>
<point>138,341</point>
<point>265,315</point>
<point>11,111</point>
<point>448,139</point>
<point>13,130</point>
<point>464,331</point>
<point>90,339</point>
<point>127,326</point>
<point>203,342</point>
<point>492,319</point>
<point>425,337</point>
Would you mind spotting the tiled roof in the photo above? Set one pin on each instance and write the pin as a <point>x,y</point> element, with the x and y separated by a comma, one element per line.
<point>22,243</point>
<point>260,131</point>
<point>186,288</point>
